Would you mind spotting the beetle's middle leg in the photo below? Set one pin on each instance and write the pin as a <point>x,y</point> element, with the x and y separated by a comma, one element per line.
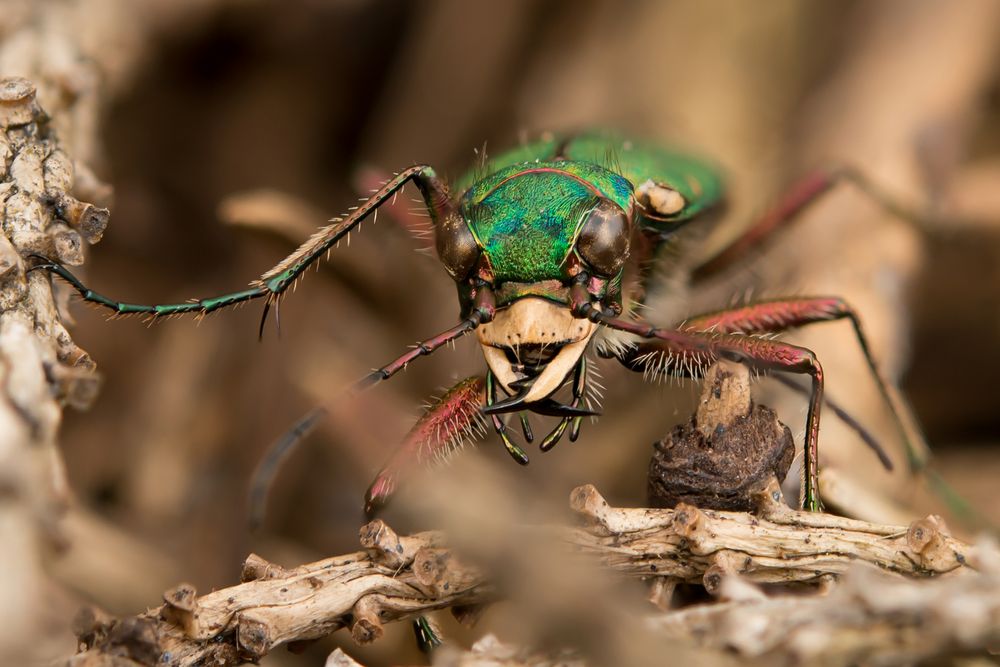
<point>780,315</point>
<point>691,353</point>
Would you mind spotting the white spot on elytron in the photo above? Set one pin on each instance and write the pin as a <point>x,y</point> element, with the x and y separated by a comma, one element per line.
<point>660,199</point>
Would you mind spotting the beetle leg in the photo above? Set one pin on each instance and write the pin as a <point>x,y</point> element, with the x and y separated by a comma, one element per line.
<point>445,427</point>
<point>847,418</point>
<point>273,283</point>
<point>651,359</point>
<point>280,450</point>
<point>422,348</point>
<point>775,316</point>
<point>692,352</point>
<point>797,198</point>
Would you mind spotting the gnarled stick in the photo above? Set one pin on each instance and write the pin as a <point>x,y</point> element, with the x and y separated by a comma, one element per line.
<point>868,617</point>
<point>778,545</point>
<point>400,577</point>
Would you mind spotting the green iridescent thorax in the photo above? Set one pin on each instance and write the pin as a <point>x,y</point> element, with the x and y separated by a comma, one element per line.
<point>526,217</point>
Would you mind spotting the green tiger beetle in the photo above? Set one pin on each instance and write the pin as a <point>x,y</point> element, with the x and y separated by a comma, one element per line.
<point>551,247</point>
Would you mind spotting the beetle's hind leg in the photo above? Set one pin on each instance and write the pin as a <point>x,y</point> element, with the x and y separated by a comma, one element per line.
<point>801,195</point>
<point>446,426</point>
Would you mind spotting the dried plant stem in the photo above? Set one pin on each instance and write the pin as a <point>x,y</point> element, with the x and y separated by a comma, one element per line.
<point>868,618</point>
<point>399,577</point>
<point>41,368</point>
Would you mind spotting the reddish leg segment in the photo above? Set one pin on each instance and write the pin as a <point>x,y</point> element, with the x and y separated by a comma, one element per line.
<point>804,192</point>
<point>280,450</point>
<point>422,348</point>
<point>689,352</point>
<point>447,425</point>
<point>783,314</point>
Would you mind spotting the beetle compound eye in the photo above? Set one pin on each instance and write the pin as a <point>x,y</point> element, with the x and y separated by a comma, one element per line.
<point>604,238</point>
<point>659,200</point>
<point>456,246</point>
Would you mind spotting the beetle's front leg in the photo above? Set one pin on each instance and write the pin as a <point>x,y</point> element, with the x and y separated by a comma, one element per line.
<point>275,282</point>
<point>446,426</point>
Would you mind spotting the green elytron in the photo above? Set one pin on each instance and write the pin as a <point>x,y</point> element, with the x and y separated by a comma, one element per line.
<point>550,247</point>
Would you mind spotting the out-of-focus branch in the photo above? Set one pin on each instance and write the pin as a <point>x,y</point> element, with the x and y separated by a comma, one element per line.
<point>40,367</point>
<point>867,617</point>
<point>396,577</point>
<point>60,61</point>
<point>400,577</point>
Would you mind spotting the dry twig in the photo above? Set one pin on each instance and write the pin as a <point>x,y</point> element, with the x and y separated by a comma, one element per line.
<point>40,366</point>
<point>400,577</point>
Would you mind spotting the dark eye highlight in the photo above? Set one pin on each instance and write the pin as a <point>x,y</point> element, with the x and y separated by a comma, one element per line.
<point>604,238</point>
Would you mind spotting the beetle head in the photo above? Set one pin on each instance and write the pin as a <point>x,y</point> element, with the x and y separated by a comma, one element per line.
<point>527,236</point>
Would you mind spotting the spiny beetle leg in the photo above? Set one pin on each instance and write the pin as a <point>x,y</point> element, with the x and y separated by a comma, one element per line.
<point>201,306</point>
<point>423,348</point>
<point>369,179</point>
<point>689,351</point>
<point>427,635</point>
<point>280,450</point>
<point>797,198</point>
<point>444,428</point>
<point>778,315</point>
<point>846,417</point>
<point>274,282</point>
<point>652,359</point>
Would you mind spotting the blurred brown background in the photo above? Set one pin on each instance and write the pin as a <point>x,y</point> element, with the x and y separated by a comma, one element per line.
<point>212,99</point>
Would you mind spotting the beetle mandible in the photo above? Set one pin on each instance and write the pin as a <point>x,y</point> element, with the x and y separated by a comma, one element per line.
<point>538,244</point>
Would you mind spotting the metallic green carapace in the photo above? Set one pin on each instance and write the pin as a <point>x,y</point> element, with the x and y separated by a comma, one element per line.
<point>526,217</point>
